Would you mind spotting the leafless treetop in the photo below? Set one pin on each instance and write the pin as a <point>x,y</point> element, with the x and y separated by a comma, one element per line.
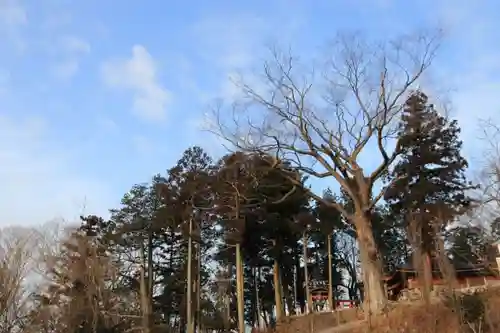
<point>322,117</point>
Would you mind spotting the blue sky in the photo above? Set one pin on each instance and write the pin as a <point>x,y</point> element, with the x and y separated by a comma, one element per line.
<point>98,95</point>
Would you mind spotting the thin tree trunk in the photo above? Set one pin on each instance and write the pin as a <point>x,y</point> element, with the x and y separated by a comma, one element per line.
<point>239,274</point>
<point>150,275</point>
<point>278,300</point>
<point>257,298</point>
<point>295,289</point>
<point>198,289</point>
<point>330,273</point>
<point>144,291</point>
<point>227,301</point>
<point>239,290</point>
<point>306,275</point>
<point>189,281</point>
<point>170,242</point>
<point>298,284</point>
<point>282,294</point>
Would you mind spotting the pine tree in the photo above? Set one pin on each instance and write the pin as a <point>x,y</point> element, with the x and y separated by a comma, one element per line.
<point>430,177</point>
<point>429,181</point>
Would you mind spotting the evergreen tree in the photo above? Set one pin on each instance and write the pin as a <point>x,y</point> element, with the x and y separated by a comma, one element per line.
<point>150,232</point>
<point>391,238</point>
<point>332,224</point>
<point>268,232</point>
<point>469,246</point>
<point>430,176</point>
<point>429,181</point>
<point>186,196</point>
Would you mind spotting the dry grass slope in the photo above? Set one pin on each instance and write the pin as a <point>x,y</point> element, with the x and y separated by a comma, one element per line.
<point>317,322</point>
<point>457,314</point>
<point>476,314</point>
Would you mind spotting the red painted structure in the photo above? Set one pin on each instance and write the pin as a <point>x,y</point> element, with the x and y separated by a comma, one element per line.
<point>466,276</point>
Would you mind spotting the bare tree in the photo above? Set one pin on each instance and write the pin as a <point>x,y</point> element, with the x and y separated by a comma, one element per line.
<point>16,264</point>
<point>490,173</point>
<point>325,123</point>
<point>80,289</point>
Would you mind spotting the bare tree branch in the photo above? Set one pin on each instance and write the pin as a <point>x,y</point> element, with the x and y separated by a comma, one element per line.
<point>490,173</point>
<point>330,122</point>
<point>16,264</point>
<point>326,125</point>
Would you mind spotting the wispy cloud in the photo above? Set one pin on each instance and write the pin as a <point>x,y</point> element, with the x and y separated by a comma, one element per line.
<point>72,50</point>
<point>139,75</point>
<point>236,44</point>
<point>74,46</point>
<point>39,180</point>
<point>470,65</point>
<point>215,44</point>
<point>13,18</point>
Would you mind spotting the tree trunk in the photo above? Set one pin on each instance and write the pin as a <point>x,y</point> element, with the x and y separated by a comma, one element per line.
<point>330,273</point>
<point>198,289</point>
<point>375,298</point>
<point>445,266</point>
<point>289,302</point>
<point>239,290</point>
<point>150,276</point>
<point>277,291</point>
<point>144,293</point>
<point>298,304</point>
<point>427,286</point>
<point>309,305</point>
<point>189,281</point>
<point>227,300</point>
<point>260,318</point>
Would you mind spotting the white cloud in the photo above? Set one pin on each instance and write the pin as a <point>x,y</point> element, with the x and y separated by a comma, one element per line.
<point>74,45</point>
<point>139,75</point>
<point>230,48</point>
<point>39,183</point>
<point>470,68</point>
<point>73,49</point>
